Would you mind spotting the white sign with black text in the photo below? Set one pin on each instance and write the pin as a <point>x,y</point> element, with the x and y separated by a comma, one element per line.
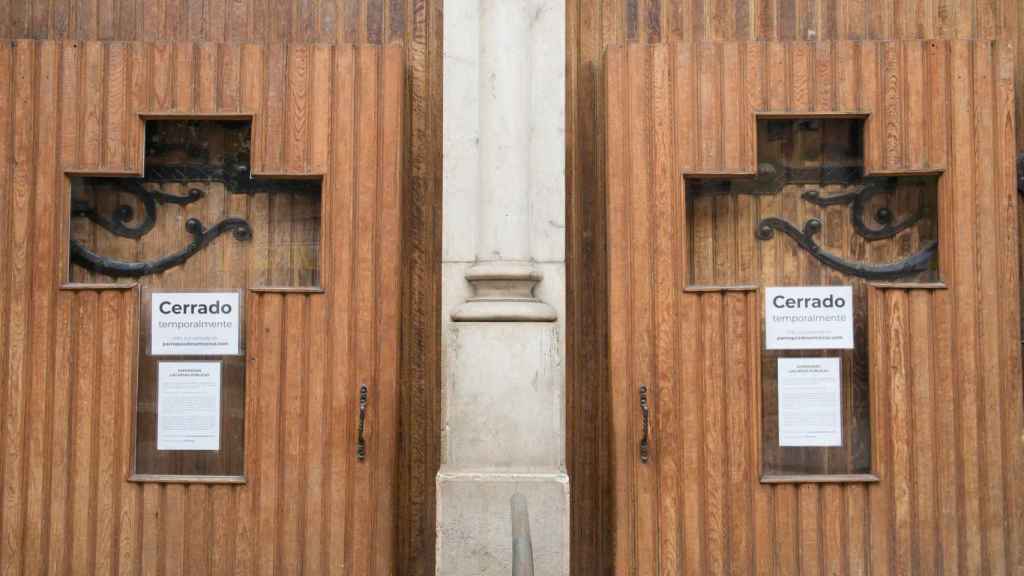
<point>194,324</point>
<point>808,318</point>
<point>810,405</point>
<point>188,406</point>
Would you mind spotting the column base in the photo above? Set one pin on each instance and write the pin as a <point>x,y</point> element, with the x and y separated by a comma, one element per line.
<point>504,398</point>
<point>503,292</point>
<point>474,522</point>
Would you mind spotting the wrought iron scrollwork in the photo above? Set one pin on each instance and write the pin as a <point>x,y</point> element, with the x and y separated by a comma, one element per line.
<point>913,264</point>
<point>201,238</point>
<point>177,152</point>
<point>843,169</point>
<point>771,179</point>
<point>118,222</point>
<point>858,202</point>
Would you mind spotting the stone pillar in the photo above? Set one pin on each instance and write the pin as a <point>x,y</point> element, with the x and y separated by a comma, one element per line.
<point>504,285</point>
<point>503,276</point>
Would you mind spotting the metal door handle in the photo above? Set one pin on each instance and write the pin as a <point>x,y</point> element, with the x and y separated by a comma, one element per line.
<point>645,415</point>
<point>360,440</point>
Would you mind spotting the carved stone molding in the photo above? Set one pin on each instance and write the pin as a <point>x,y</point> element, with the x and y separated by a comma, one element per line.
<point>499,181</point>
<point>503,292</point>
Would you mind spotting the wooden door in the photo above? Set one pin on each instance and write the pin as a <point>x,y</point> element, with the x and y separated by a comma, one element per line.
<point>70,343</point>
<point>942,361</point>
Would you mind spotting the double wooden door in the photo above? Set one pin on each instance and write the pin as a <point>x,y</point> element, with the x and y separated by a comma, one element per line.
<point>939,492</point>
<point>313,337</point>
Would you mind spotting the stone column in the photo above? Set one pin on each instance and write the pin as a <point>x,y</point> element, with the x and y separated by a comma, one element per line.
<point>503,276</point>
<point>504,287</point>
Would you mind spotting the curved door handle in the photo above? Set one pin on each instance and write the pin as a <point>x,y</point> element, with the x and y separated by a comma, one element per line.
<point>360,440</point>
<point>645,415</point>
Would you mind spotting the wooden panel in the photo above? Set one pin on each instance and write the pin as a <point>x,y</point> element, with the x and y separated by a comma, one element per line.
<point>720,214</point>
<point>591,26</point>
<point>594,25</point>
<point>413,24</point>
<point>342,21</point>
<point>944,403</point>
<point>67,505</point>
<point>420,379</point>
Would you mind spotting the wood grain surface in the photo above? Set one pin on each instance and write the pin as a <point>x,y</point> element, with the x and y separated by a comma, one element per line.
<point>945,362</point>
<point>414,25</point>
<point>594,25</point>
<point>70,355</point>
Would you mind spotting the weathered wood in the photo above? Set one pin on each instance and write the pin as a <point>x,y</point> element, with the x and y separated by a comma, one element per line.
<point>414,24</point>
<point>592,26</point>
<point>618,186</point>
<point>939,402</point>
<point>68,506</point>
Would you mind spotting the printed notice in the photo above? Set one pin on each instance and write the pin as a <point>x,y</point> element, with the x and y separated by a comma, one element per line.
<point>188,406</point>
<point>808,318</point>
<point>194,324</point>
<point>810,405</point>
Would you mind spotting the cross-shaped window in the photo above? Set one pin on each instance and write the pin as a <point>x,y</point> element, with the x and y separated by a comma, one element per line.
<point>810,212</point>
<point>197,186</point>
<point>810,216</point>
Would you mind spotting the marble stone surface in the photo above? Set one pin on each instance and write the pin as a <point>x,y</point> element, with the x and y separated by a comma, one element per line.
<point>503,404</point>
<point>461,139</point>
<point>455,290</point>
<point>475,528</point>
<point>504,416</point>
<point>537,109</point>
<point>503,239</point>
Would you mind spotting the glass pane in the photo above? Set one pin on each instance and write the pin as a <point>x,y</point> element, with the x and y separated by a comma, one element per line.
<point>810,217</point>
<point>754,230</point>
<point>197,220</point>
<point>196,212</point>
<point>229,458</point>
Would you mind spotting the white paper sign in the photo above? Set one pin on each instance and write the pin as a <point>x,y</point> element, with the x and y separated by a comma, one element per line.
<point>810,405</point>
<point>194,324</point>
<point>808,318</point>
<point>188,406</point>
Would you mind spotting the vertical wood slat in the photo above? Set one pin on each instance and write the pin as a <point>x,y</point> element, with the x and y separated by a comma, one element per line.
<point>617,67</point>
<point>244,560</point>
<point>421,365</point>
<point>67,506</point>
<point>963,274</point>
<point>639,276</point>
<point>367,162</point>
<point>6,223</point>
<point>1007,202</point>
<point>665,393</point>
<point>44,273</point>
<point>991,451</point>
<point>340,238</point>
<point>691,422</point>
<point>942,410</point>
<point>314,544</point>
<point>389,264</point>
<point>18,299</point>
